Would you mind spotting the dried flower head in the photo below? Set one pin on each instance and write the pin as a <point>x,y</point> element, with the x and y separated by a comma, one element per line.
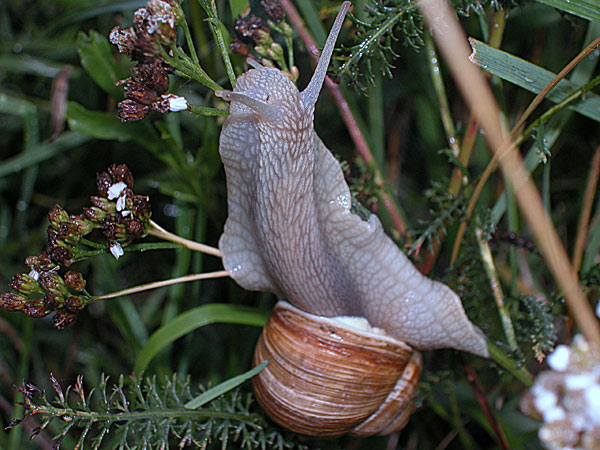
<point>567,398</point>
<point>274,10</point>
<point>251,28</point>
<point>63,319</point>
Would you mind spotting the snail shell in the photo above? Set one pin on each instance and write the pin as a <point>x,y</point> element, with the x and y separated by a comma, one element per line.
<point>332,376</point>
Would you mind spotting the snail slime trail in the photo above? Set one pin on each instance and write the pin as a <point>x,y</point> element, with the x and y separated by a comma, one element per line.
<point>290,231</point>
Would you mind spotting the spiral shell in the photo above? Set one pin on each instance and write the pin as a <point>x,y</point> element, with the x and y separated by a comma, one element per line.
<point>328,377</point>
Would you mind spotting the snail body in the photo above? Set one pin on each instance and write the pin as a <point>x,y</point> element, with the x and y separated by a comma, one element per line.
<point>290,230</point>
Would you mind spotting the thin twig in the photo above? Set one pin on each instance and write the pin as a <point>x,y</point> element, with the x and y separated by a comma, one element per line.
<point>586,211</point>
<point>159,232</point>
<point>490,270</point>
<point>512,147</point>
<point>158,284</point>
<point>452,42</point>
<point>357,137</point>
<point>485,407</point>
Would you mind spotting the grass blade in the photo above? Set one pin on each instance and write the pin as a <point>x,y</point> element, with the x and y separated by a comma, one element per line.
<point>531,77</point>
<point>587,9</point>
<point>196,318</point>
<point>224,387</point>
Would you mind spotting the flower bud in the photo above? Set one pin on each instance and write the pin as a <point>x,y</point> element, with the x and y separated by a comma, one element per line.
<point>104,181</point>
<point>36,308</point>
<point>141,207</point>
<point>69,233</point>
<point>153,74</point>
<point>56,216</point>
<point>10,301</point>
<point>64,319</point>
<point>121,173</point>
<point>40,262</point>
<point>137,91</point>
<point>239,48</point>
<point>274,10</point>
<point>74,280</point>
<point>25,284</point>
<point>275,51</point>
<point>74,303</point>
<point>103,203</point>
<point>61,255</point>
<point>135,228</point>
<point>113,230</point>
<point>53,301</point>
<point>96,215</point>
<point>130,110</point>
<point>250,28</point>
<point>52,282</point>
<point>84,226</point>
<point>53,236</point>
<point>161,22</point>
<point>125,40</point>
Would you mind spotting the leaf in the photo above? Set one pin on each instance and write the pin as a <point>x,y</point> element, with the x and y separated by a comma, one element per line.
<point>107,126</point>
<point>97,59</point>
<point>42,152</point>
<point>531,77</point>
<point>587,9</point>
<point>224,387</point>
<point>196,318</point>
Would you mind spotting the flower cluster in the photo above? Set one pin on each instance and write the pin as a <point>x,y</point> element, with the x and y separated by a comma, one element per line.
<point>153,32</point>
<point>252,30</point>
<point>120,215</point>
<point>43,291</point>
<point>567,398</point>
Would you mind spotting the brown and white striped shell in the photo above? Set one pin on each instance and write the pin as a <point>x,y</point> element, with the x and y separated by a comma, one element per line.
<point>332,376</point>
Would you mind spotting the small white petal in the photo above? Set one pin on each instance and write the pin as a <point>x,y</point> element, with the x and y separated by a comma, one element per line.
<point>580,381</point>
<point>34,274</point>
<point>121,203</point>
<point>592,395</point>
<point>544,400</point>
<point>116,250</point>
<point>554,414</point>
<point>559,358</point>
<point>115,190</point>
<point>598,309</point>
<point>177,103</point>
<point>125,213</point>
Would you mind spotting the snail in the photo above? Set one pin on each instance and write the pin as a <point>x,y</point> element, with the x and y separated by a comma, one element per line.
<point>290,230</point>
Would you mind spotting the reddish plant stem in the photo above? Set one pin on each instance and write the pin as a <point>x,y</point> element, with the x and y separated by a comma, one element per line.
<point>357,137</point>
<point>487,410</point>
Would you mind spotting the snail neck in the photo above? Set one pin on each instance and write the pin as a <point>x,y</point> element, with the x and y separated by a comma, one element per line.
<point>295,248</point>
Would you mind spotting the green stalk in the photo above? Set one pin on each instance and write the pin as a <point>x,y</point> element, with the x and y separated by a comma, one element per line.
<point>490,270</point>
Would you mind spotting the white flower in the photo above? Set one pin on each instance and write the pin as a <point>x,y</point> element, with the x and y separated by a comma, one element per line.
<point>34,274</point>
<point>116,189</point>
<point>116,250</point>
<point>176,103</point>
<point>559,359</point>
<point>121,203</point>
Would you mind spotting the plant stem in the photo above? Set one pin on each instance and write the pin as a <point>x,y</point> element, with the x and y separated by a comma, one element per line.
<point>190,41</point>
<point>206,111</point>
<point>453,44</point>
<point>351,123</point>
<point>215,27</point>
<point>158,284</point>
<point>74,414</point>
<point>490,270</point>
<point>515,369</point>
<point>159,232</point>
<point>586,211</point>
